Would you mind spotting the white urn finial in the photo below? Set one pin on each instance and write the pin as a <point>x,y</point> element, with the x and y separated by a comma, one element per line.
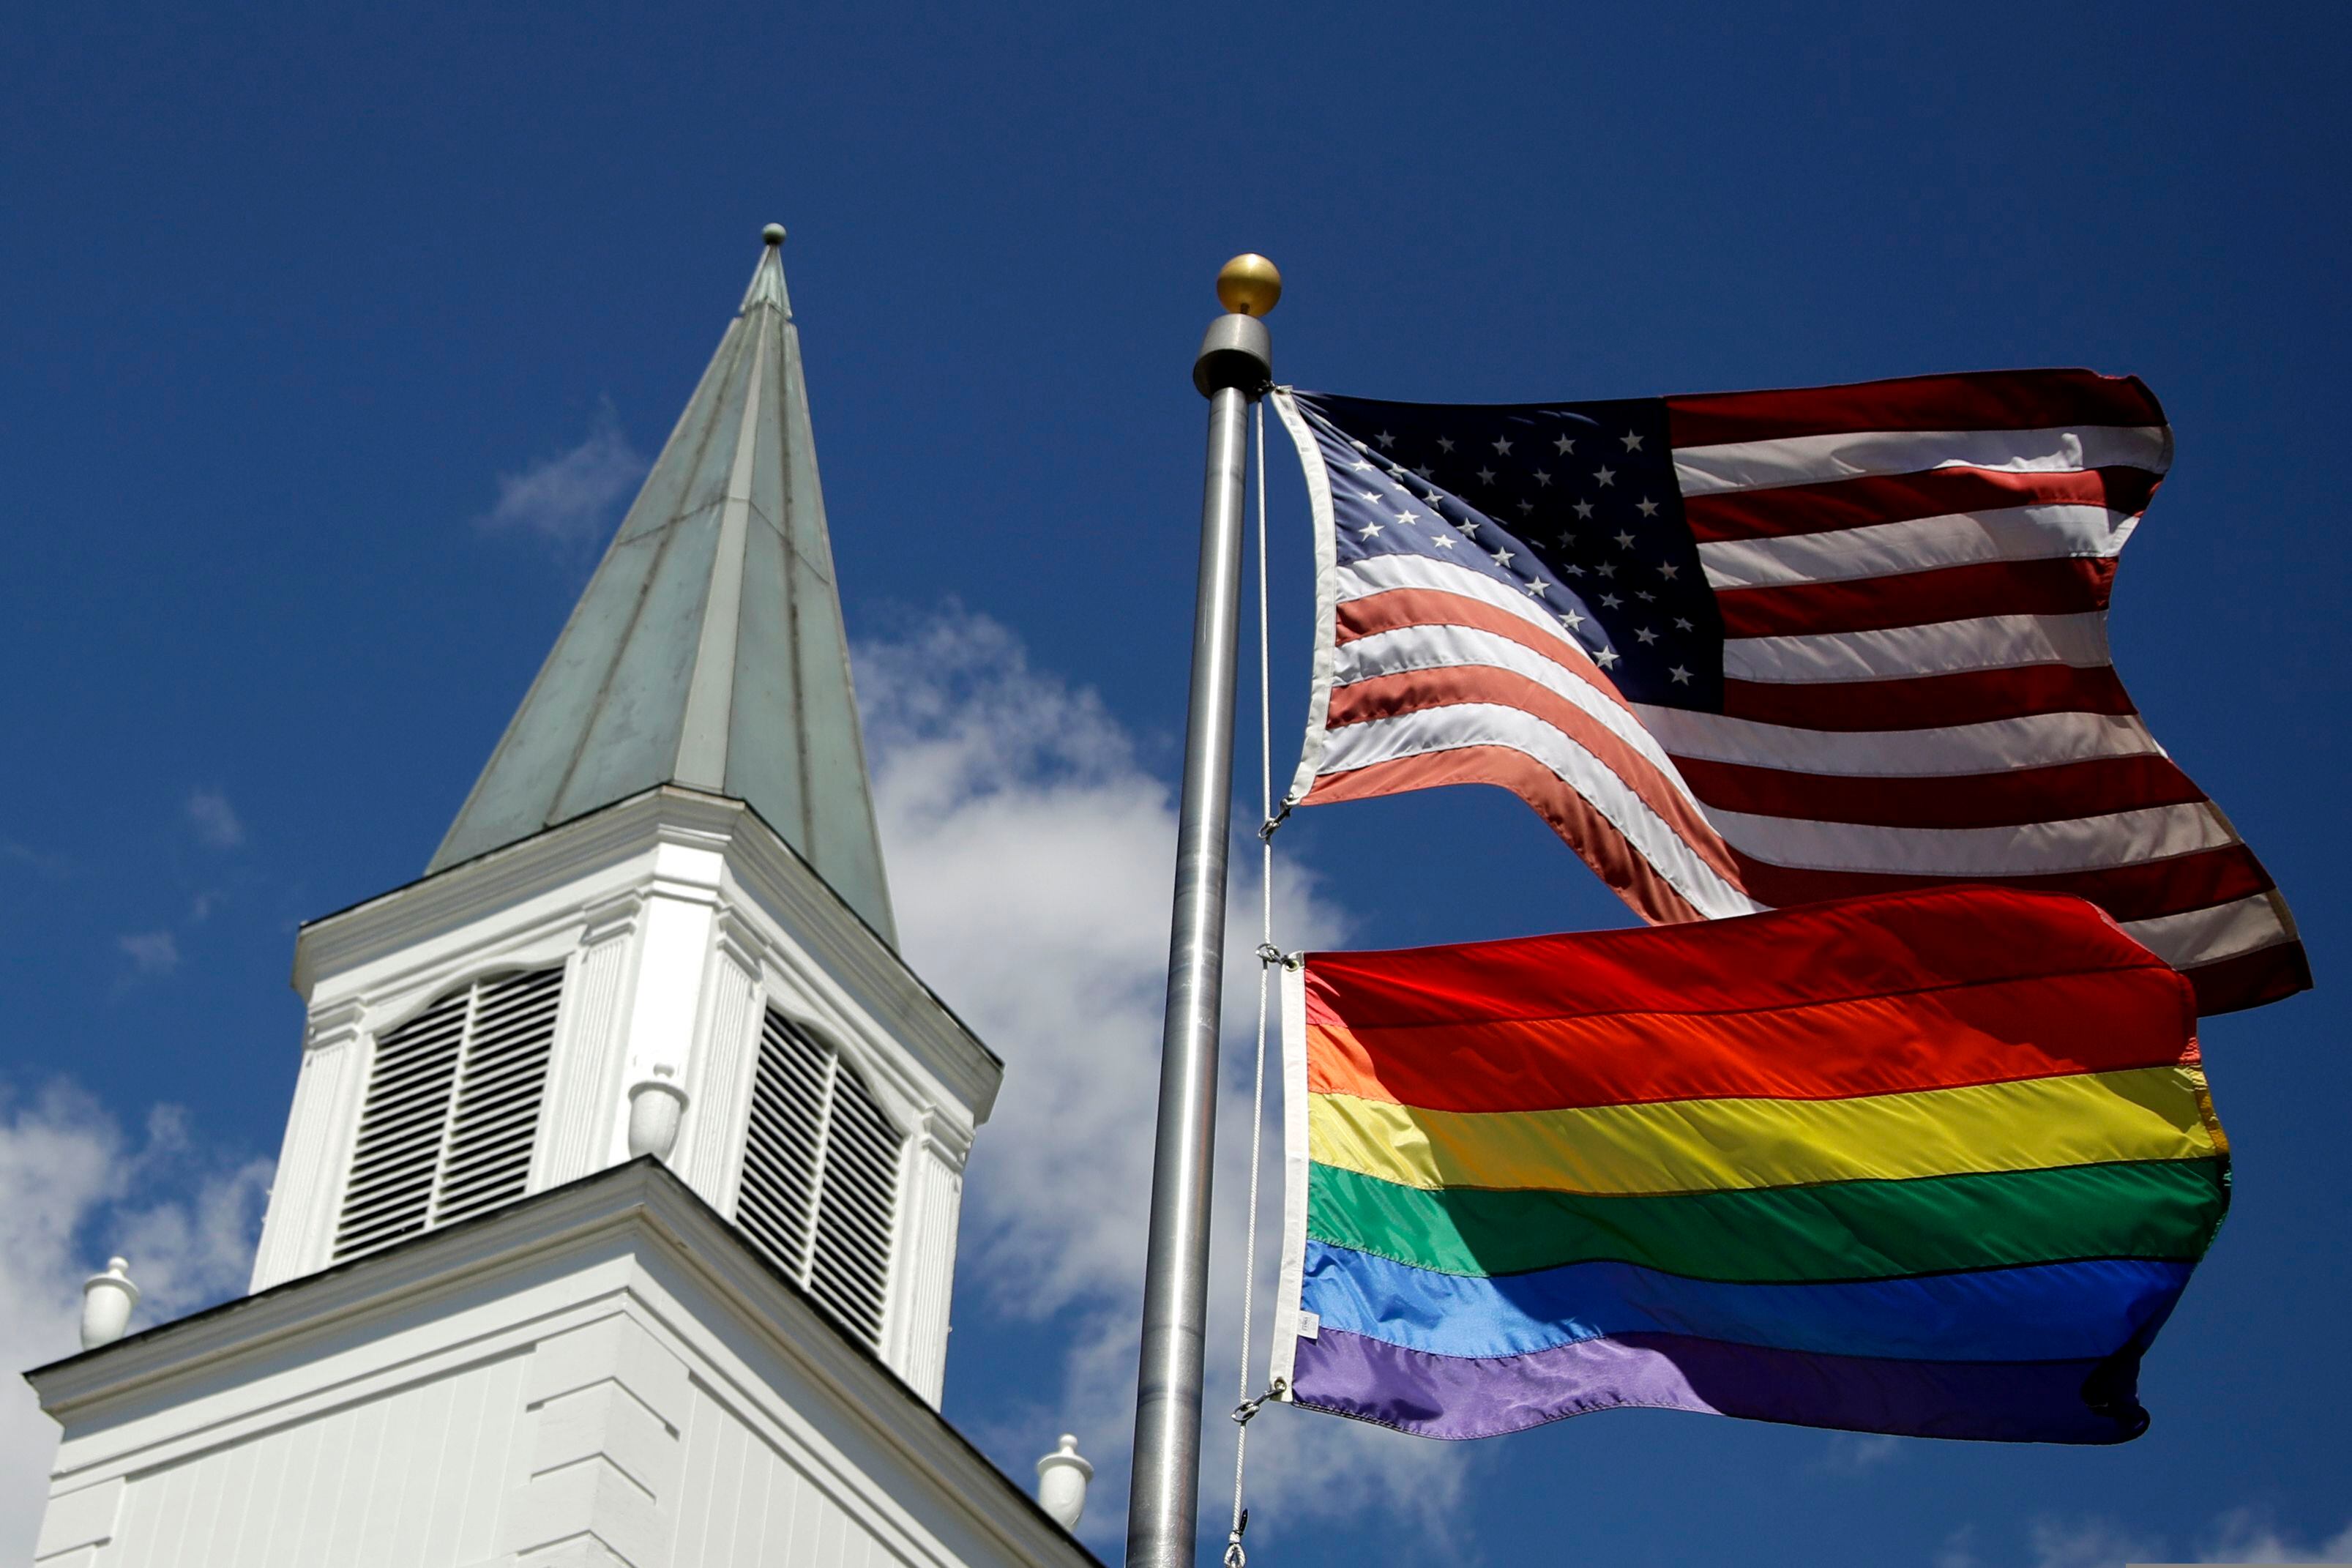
<point>106,1302</point>
<point>1062,1478</point>
<point>655,1105</point>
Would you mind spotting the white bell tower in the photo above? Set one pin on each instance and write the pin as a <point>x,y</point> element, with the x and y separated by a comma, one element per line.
<point>624,1168</point>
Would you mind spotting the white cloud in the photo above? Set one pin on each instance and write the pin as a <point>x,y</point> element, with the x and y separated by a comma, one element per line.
<point>2243,1535</point>
<point>1959,1549</point>
<point>70,1179</point>
<point>569,499</point>
<point>1032,860</point>
<point>1852,1453</point>
<point>2091,1544</point>
<point>2240,1535</point>
<point>215,820</point>
<point>152,952</point>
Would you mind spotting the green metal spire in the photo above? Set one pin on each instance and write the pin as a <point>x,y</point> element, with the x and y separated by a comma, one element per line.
<point>708,651</point>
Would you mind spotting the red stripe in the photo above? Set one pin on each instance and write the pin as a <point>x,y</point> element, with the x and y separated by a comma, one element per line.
<point>1977,400</point>
<point>1923,991</point>
<point>1596,842</point>
<point>1899,497</point>
<point>2136,892</point>
<point>2071,586</point>
<point>2055,793</point>
<point>1420,690</point>
<point>1401,609</point>
<point>1928,701</point>
<point>2250,979</point>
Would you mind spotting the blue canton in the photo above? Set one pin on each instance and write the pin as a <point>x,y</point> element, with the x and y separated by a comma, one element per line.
<point>1572,505</point>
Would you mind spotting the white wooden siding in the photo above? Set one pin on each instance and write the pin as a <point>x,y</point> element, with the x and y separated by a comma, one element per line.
<point>415,1479</point>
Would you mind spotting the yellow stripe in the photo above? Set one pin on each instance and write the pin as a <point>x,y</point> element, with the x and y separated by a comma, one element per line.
<point>1711,1145</point>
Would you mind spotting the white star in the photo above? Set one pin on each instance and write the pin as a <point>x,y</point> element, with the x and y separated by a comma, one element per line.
<point>1408,516</point>
<point>1667,570</point>
<point>1681,623</point>
<point>1442,540</point>
<point>1609,601</point>
<point>1369,495</point>
<point>1504,558</point>
<point>1567,540</point>
<point>1605,657</point>
<point>1606,570</point>
<point>1384,438</point>
<point>1646,506</point>
<point>1359,447</point>
<point>1425,474</point>
<point>1625,540</point>
<point>1502,446</point>
<point>1536,588</point>
<point>1526,506</point>
<point>1443,445</point>
<point>1605,476</point>
<point>1485,476</point>
<point>1682,675</point>
<point>1646,635</point>
<point>1584,509</point>
<point>1370,531</point>
<point>1633,442</point>
<point>1468,525</point>
<point>1644,595</point>
<point>1574,569</point>
<point>1543,479</point>
<point>1433,497</point>
<point>1359,464</point>
<point>1563,446</point>
<point>1570,619</point>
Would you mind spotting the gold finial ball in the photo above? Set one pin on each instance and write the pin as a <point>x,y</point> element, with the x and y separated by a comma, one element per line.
<point>1249,285</point>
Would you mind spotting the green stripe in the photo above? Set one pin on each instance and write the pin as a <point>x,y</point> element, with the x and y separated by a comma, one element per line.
<point>2165,1209</point>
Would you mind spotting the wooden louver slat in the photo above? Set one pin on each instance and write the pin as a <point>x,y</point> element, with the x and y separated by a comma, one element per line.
<point>452,1111</point>
<point>820,1185</point>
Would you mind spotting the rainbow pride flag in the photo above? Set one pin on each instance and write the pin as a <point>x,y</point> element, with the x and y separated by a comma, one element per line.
<point>1936,1163</point>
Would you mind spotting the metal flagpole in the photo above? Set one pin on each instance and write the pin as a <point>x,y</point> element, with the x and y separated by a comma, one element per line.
<point>1234,366</point>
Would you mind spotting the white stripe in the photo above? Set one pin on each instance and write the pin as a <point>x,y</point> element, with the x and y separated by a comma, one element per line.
<point>1942,647</point>
<point>1319,503</point>
<point>1428,647</point>
<point>2078,844</point>
<point>1382,574</point>
<point>1849,454</point>
<point>2210,935</point>
<point>1449,729</point>
<point>2035,740</point>
<point>1919,544</point>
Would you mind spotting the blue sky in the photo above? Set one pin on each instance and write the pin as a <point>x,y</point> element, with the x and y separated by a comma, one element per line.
<point>331,337</point>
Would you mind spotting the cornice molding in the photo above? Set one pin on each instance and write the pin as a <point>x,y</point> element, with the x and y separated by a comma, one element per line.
<point>639,1208</point>
<point>868,971</point>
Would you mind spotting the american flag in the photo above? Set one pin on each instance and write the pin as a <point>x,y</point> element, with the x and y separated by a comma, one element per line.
<point>1762,649</point>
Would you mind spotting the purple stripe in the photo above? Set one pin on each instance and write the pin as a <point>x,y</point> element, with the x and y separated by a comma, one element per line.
<point>1460,1396</point>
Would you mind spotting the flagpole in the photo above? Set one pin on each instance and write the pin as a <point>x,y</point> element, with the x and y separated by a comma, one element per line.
<point>1234,368</point>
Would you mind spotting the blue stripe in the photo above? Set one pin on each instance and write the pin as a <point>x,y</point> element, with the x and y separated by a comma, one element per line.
<point>2054,1311</point>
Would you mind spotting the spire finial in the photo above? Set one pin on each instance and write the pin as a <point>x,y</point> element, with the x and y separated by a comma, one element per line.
<point>774,234</point>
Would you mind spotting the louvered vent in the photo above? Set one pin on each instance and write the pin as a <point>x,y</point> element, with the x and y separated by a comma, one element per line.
<point>452,1111</point>
<point>820,1191</point>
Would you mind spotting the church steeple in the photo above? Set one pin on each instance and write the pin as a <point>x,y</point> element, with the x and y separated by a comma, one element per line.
<point>616,1217</point>
<point>708,651</point>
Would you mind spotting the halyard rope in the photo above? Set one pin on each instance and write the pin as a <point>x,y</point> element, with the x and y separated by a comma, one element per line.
<point>1269,956</point>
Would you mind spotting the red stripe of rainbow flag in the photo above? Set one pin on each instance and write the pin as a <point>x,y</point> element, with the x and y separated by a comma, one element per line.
<point>1934,1163</point>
